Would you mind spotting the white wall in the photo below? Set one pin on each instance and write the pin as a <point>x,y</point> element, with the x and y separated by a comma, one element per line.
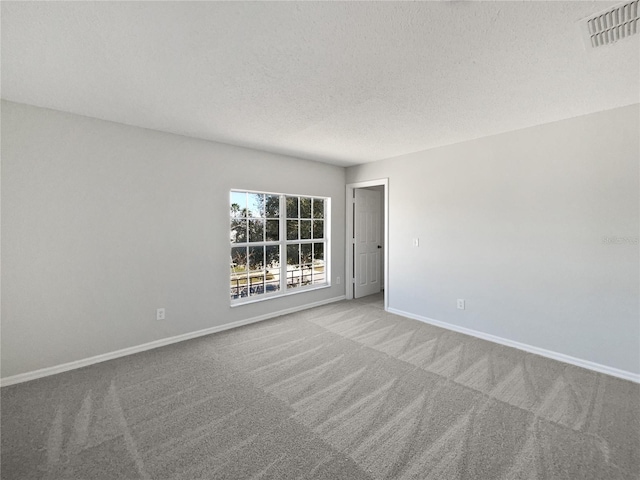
<point>516,224</point>
<point>102,223</point>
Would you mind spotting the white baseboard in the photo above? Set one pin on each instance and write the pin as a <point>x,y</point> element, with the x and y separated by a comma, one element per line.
<point>65,367</point>
<point>634,377</point>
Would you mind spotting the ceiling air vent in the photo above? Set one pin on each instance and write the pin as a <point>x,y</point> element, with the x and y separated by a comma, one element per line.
<point>611,25</point>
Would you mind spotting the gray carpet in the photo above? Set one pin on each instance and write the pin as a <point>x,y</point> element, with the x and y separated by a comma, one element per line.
<point>343,391</point>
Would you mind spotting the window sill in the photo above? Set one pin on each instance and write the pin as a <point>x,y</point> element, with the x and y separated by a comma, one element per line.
<point>239,303</point>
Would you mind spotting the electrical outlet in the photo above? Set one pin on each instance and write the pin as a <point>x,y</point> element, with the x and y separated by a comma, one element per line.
<point>416,242</point>
<point>460,304</point>
<point>160,314</point>
<point>338,280</point>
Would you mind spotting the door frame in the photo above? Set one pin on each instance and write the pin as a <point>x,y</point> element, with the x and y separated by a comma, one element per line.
<point>350,202</point>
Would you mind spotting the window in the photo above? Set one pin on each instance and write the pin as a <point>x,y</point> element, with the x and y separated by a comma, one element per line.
<point>278,244</point>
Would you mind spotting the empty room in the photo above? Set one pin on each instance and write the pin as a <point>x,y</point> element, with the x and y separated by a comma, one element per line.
<point>320,240</point>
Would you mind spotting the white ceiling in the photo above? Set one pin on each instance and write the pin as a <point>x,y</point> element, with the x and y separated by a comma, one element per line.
<point>339,82</point>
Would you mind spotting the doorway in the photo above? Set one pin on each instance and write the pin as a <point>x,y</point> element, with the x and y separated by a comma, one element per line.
<point>367,267</point>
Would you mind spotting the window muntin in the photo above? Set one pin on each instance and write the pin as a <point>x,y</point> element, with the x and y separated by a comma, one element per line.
<point>278,244</point>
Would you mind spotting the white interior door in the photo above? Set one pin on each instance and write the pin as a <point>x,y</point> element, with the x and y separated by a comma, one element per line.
<point>367,245</point>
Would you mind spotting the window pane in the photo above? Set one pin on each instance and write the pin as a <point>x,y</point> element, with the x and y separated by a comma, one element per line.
<point>238,231</point>
<point>306,274</point>
<point>272,262</point>
<point>305,253</point>
<point>238,204</point>
<point>305,229</point>
<point>256,205</point>
<point>272,285</point>
<point>239,272</point>
<point>273,231</point>
<point>318,229</point>
<point>305,259</point>
<point>256,258</point>
<point>239,259</point>
<point>272,259</point>
<point>292,229</point>
<point>318,275</point>
<point>239,286</point>
<point>318,253</point>
<point>293,254</point>
<point>293,269</point>
<point>318,263</point>
<point>318,208</point>
<point>292,207</point>
<point>293,276</point>
<point>256,230</point>
<point>272,206</point>
<point>256,284</point>
<point>305,207</point>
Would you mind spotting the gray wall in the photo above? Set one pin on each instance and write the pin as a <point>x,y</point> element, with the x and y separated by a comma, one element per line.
<point>102,223</point>
<point>519,225</point>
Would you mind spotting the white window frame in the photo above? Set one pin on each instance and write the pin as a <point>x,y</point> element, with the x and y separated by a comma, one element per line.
<point>282,242</point>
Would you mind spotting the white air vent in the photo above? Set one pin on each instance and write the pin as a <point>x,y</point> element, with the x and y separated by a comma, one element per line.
<point>612,25</point>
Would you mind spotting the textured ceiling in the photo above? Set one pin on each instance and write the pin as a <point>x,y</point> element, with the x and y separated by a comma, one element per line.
<point>339,82</point>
